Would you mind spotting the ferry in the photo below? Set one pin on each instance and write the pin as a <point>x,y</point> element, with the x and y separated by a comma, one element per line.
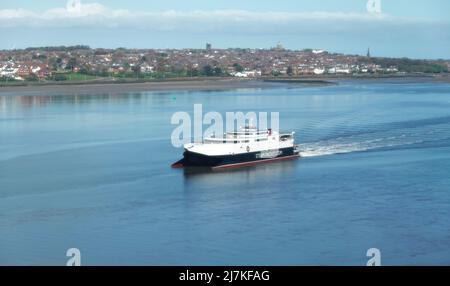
<point>247,146</point>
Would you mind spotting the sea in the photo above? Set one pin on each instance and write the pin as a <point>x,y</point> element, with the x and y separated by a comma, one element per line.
<point>92,172</point>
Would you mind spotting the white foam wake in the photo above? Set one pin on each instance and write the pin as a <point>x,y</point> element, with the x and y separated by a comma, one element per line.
<point>370,141</point>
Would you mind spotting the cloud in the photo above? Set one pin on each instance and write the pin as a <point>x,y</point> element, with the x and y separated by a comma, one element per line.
<point>98,15</point>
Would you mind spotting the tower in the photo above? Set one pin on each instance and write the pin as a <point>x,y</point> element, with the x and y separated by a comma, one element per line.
<point>368,52</point>
<point>280,46</point>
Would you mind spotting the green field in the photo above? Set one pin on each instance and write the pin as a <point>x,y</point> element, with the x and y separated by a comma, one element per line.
<point>79,77</point>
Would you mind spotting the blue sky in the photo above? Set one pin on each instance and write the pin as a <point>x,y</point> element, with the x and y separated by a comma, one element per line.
<point>417,29</point>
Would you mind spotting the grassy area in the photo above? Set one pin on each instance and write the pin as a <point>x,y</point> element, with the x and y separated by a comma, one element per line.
<point>72,76</point>
<point>75,76</point>
<point>154,75</point>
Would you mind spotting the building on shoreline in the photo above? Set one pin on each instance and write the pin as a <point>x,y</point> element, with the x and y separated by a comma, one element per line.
<point>53,62</point>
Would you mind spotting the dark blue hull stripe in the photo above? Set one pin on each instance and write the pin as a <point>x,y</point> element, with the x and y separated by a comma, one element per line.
<point>195,159</point>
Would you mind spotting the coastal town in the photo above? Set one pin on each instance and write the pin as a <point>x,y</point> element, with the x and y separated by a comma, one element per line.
<point>82,63</point>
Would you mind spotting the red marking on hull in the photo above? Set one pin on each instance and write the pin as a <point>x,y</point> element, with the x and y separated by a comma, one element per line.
<point>177,166</point>
<point>251,163</point>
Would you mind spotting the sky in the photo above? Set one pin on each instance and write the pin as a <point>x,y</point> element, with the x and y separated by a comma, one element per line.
<point>391,28</point>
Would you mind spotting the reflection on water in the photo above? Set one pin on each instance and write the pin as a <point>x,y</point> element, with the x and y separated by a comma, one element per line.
<point>249,174</point>
<point>157,97</point>
<point>34,101</point>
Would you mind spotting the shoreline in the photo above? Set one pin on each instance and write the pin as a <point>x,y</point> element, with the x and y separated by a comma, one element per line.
<point>206,84</point>
<point>124,87</point>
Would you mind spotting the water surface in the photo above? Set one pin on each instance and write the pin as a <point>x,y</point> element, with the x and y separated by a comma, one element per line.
<point>92,172</point>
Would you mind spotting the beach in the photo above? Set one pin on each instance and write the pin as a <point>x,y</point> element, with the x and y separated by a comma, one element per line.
<point>199,84</point>
<point>120,87</point>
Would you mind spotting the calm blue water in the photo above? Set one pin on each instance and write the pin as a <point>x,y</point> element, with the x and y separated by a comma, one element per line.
<point>92,172</point>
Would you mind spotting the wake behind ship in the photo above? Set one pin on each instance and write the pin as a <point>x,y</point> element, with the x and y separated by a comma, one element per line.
<point>248,146</point>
